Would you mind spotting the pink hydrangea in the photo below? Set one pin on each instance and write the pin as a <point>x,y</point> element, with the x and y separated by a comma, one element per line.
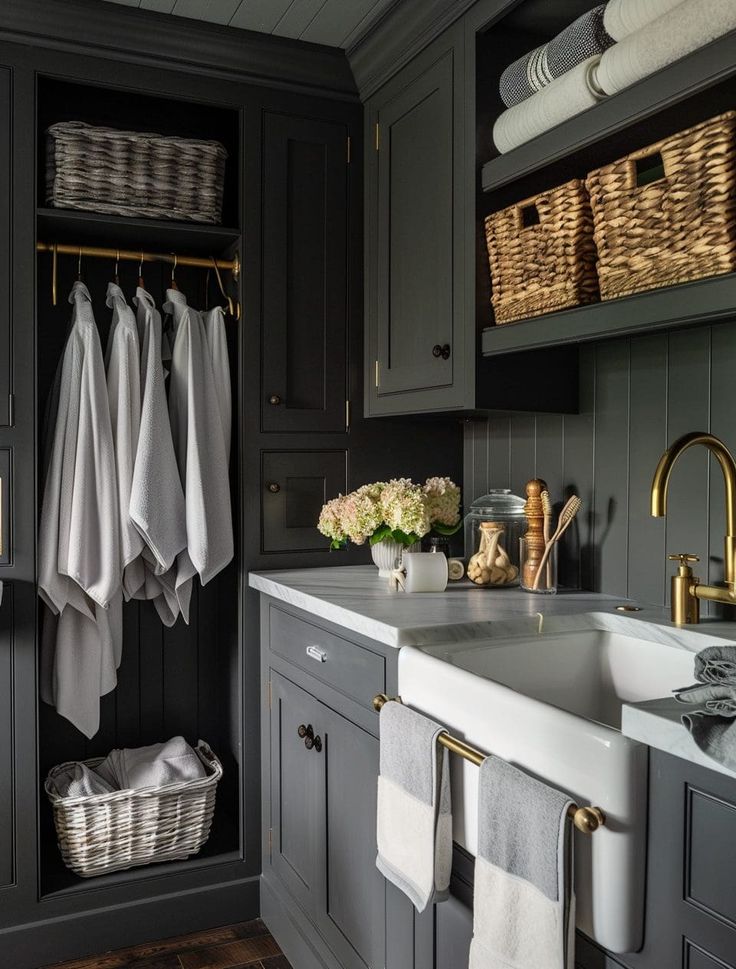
<point>443,501</point>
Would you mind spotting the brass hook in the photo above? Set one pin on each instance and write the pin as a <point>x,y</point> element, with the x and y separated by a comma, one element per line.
<point>117,260</point>
<point>54,260</point>
<point>140,272</point>
<point>173,272</point>
<point>79,264</point>
<point>230,307</point>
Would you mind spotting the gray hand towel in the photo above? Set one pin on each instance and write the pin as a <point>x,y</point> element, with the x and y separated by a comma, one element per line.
<point>716,664</point>
<point>414,824</point>
<point>716,699</point>
<point>77,780</point>
<point>524,905</point>
<point>584,38</point>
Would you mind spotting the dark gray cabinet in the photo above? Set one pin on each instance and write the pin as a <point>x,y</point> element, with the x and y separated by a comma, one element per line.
<point>416,340</point>
<point>6,250</point>
<point>305,274</point>
<point>320,768</point>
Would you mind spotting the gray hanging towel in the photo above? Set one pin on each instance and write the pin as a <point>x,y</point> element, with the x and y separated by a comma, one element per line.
<point>197,430</point>
<point>214,328</point>
<point>157,498</point>
<point>79,548</point>
<point>124,394</point>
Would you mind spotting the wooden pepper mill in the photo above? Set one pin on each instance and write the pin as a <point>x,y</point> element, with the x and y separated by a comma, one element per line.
<point>535,530</point>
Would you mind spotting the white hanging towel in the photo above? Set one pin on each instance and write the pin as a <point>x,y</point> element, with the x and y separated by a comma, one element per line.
<point>196,425</point>
<point>79,549</point>
<point>123,360</point>
<point>214,328</point>
<point>157,498</point>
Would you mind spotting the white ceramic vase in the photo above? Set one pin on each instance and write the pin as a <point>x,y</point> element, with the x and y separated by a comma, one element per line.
<point>386,556</point>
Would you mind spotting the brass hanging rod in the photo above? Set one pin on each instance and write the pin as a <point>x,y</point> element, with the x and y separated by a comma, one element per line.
<point>135,255</point>
<point>586,819</point>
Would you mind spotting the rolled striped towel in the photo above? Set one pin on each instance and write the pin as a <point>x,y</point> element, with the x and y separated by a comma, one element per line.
<point>569,95</point>
<point>584,38</point>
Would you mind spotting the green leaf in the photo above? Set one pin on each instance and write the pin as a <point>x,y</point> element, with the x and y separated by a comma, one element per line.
<point>337,546</point>
<point>404,538</point>
<point>381,533</point>
<point>446,529</point>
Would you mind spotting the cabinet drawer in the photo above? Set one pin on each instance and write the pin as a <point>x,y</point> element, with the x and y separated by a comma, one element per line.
<point>351,669</point>
<point>711,854</point>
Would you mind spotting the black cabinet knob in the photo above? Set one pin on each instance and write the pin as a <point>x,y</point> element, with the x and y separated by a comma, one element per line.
<point>274,487</point>
<point>441,351</point>
<point>306,732</point>
<point>274,400</point>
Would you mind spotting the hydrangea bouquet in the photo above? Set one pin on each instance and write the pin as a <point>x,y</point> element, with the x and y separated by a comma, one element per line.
<point>392,511</point>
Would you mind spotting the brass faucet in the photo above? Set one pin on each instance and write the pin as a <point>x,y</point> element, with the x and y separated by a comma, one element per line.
<point>687,590</point>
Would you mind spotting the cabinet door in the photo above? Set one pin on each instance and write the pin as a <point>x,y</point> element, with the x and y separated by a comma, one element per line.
<point>305,245</point>
<point>415,360</point>
<point>297,794</point>
<point>5,247</point>
<point>353,919</point>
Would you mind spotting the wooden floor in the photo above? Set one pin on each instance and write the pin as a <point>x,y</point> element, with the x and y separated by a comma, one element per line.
<point>248,944</point>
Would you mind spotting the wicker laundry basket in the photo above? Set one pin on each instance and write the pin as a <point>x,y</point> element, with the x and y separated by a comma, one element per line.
<point>135,174</point>
<point>541,254</point>
<point>110,832</point>
<point>667,214</point>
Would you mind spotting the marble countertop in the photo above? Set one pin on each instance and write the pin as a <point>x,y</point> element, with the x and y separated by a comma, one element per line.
<point>354,597</point>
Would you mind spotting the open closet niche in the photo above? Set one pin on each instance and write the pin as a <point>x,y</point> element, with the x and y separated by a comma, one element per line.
<point>186,679</point>
<point>688,91</point>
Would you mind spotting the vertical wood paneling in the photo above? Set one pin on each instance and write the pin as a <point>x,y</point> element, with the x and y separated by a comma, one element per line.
<point>723,425</point>
<point>636,397</point>
<point>646,564</point>
<point>611,500</point>
<point>7,748</point>
<point>688,405</point>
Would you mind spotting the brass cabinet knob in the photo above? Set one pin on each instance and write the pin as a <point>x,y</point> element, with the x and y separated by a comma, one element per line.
<point>274,487</point>
<point>274,400</point>
<point>441,351</point>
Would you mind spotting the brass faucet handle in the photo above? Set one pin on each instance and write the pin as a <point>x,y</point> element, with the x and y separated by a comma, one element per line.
<point>683,558</point>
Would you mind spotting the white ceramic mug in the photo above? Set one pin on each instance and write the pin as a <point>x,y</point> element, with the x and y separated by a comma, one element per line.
<point>424,572</point>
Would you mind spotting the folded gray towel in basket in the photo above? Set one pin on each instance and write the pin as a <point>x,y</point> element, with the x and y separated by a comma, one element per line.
<point>584,38</point>
<point>136,767</point>
<point>78,780</point>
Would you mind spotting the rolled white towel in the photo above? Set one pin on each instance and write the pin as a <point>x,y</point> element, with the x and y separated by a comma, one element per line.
<point>565,97</point>
<point>690,25</point>
<point>624,17</point>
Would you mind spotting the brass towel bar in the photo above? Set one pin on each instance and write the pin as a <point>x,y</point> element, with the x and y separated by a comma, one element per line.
<point>586,819</point>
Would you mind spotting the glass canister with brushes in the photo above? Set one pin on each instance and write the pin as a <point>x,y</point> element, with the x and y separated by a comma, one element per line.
<point>493,529</point>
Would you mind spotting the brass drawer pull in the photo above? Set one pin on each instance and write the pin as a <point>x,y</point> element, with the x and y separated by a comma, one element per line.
<point>274,400</point>
<point>314,652</point>
<point>274,487</point>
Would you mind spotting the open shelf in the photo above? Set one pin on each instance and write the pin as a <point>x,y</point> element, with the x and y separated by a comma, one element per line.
<point>697,72</point>
<point>705,301</point>
<point>162,235</point>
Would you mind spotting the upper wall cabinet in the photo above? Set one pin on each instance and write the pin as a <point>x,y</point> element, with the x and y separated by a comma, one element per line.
<point>305,246</point>
<point>416,357</point>
<point>420,288</point>
<point>5,247</point>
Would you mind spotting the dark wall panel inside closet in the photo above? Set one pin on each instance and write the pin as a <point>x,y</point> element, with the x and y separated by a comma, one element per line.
<point>637,396</point>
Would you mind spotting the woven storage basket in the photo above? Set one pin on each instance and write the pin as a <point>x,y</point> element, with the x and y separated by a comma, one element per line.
<point>134,174</point>
<point>542,254</point>
<point>659,226</point>
<point>110,832</point>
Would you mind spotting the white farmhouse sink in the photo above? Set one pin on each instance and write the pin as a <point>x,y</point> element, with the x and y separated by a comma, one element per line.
<point>551,703</point>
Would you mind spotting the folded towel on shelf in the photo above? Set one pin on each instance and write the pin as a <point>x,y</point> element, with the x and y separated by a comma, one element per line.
<point>565,97</point>
<point>715,699</point>
<point>716,664</point>
<point>523,904</point>
<point>714,734</point>
<point>584,38</point>
<point>414,824</point>
<point>137,767</point>
<point>679,32</point>
<point>624,17</point>
<point>78,780</point>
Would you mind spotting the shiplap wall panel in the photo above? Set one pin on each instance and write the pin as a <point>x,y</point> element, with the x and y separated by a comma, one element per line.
<point>637,396</point>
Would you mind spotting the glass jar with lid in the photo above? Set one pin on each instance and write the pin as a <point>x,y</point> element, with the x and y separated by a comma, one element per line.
<point>493,527</point>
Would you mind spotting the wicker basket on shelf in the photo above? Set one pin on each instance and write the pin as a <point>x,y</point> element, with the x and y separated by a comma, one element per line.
<point>102,833</point>
<point>542,254</point>
<point>667,214</point>
<point>134,174</point>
